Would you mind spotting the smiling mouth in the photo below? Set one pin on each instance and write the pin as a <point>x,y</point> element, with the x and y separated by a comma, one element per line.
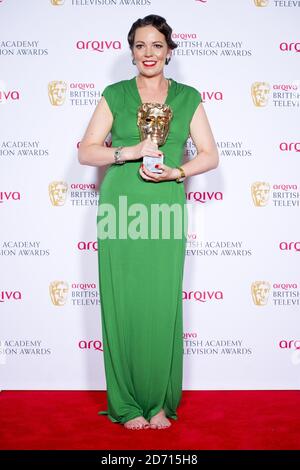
<point>149,63</point>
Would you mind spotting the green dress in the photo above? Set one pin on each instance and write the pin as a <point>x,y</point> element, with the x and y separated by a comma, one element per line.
<point>140,278</point>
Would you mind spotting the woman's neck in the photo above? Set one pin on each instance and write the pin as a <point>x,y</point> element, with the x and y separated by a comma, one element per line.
<point>151,83</point>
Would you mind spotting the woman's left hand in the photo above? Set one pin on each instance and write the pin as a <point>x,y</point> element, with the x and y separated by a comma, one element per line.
<point>167,174</point>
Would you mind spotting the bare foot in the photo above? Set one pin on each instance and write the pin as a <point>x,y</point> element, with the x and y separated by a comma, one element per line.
<point>160,421</point>
<point>137,423</point>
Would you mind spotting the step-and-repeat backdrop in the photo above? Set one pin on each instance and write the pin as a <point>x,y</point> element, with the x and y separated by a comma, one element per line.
<point>241,290</point>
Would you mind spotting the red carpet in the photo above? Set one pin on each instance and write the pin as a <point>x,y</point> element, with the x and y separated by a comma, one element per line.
<point>245,420</point>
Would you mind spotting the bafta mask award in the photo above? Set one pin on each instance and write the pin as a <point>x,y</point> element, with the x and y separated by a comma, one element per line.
<point>154,122</point>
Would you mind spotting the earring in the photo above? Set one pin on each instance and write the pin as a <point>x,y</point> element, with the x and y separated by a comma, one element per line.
<point>168,60</point>
<point>133,62</point>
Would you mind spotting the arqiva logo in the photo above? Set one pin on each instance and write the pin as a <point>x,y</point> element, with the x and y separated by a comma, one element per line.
<point>106,143</point>
<point>291,344</point>
<point>189,335</point>
<point>87,246</point>
<point>289,146</point>
<point>204,196</point>
<point>98,46</point>
<point>92,344</point>
<point>211,96</point>
<point>292,46</point>
<point>203,296</point>
<point>8,196</point>
<point>10,295</point>
<point>10,95</point>
<point>289,246</point>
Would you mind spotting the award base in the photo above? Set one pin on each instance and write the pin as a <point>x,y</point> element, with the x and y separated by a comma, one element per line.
<point>150,163</point>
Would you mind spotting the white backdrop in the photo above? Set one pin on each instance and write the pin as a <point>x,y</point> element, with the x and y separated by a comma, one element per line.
<point>242,279</point>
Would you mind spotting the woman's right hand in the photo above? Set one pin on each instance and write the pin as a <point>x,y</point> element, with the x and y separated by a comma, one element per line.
<point>144,148</point>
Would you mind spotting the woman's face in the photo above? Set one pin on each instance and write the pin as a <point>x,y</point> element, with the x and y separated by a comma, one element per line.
<point>150,50</point>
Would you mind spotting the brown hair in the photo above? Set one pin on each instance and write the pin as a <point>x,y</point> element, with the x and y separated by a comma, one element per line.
<point>157,22</point>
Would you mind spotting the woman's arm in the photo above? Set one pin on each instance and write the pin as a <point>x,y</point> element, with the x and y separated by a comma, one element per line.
<point>92,150</point>
<point>207,157</point>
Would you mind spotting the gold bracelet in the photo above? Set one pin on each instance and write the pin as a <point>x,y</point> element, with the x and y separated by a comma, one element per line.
<point>182,175</point>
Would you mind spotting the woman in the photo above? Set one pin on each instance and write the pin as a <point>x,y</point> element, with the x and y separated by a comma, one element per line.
<point>140,275</point>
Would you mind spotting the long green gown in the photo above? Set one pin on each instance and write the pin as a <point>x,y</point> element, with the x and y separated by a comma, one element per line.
<point>140,279</point>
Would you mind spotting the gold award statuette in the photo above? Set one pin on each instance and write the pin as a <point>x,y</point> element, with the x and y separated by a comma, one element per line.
<point>154,122</point>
